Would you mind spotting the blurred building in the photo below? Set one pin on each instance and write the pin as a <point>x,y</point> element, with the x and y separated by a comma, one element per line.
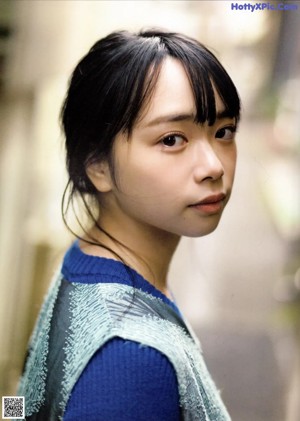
<point>228,293</point>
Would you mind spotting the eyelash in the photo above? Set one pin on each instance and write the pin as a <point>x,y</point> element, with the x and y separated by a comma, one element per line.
<point>174,135</point>
<point>232,130</point>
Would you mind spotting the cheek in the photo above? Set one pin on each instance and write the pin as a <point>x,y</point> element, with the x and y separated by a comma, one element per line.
<point>229,163</point>
<point>146,194</point>
<point>144,179</point>
<point>233,161</point>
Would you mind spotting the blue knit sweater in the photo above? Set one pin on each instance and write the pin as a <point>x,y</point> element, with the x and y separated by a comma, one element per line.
<point>124,380</point>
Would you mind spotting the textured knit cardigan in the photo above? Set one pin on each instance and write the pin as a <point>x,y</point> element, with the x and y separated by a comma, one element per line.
<point>92,315</point>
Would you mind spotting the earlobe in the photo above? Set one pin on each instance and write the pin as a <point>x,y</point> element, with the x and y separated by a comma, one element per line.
<point>99,175</point>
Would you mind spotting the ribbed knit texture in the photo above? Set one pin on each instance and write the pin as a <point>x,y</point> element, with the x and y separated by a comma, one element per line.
<point>124,381</point>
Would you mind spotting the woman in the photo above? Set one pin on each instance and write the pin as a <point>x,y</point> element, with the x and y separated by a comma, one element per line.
<point>150,122</point>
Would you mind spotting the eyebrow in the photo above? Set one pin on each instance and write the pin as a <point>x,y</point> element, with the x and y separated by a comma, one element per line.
<point>170,118</point>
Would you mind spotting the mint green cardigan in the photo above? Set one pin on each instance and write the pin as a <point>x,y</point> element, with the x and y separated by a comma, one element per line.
<point>97,313</point>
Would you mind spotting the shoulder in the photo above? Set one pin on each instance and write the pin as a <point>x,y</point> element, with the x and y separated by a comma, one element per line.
<point>123,381</point>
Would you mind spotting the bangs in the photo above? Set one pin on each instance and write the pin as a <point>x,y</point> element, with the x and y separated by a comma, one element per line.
<point>203,69</point>
<point>206,78</point>
<point>206,73</point>
<point>112,85</point>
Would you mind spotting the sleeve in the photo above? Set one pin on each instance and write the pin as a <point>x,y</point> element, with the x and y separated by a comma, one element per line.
<point>125,381</point>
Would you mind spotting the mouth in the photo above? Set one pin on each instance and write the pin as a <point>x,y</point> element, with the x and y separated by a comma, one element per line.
<point>211,204</point>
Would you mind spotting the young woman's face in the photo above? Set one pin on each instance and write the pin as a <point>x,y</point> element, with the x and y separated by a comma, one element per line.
<point>174,175</point>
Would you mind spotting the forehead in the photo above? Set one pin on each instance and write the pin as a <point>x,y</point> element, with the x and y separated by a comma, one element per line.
<point>172,94</point>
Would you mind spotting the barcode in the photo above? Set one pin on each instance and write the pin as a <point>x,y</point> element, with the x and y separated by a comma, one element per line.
<point>13,407</point>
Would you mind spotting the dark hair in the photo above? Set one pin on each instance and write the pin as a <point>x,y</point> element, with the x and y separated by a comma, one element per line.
<point>113,82</point>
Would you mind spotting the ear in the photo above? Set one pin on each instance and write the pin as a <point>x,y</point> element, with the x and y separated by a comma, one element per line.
<point>100,177</point>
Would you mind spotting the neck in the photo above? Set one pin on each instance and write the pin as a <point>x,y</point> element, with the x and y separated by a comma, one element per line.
<point>149,251</point>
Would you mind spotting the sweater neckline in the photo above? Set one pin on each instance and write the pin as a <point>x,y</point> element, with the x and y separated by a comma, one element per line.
<point>79,267</point>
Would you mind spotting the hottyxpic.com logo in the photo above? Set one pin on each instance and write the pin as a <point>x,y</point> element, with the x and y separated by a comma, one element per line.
<point>260,6</point>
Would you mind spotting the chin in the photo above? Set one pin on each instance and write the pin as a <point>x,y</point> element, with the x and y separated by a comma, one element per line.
<point>201,232</point>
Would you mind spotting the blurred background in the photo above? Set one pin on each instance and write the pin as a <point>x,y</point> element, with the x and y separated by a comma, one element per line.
<point>240,286</point>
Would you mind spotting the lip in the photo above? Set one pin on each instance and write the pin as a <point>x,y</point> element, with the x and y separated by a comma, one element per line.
<point>211,199</point>
<point>211,204</point>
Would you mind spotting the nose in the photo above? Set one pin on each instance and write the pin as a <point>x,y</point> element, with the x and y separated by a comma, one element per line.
<point>207,163</point>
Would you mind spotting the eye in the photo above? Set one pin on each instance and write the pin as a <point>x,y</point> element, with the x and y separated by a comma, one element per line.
<point>226,133</point>
<point>173,141</point>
